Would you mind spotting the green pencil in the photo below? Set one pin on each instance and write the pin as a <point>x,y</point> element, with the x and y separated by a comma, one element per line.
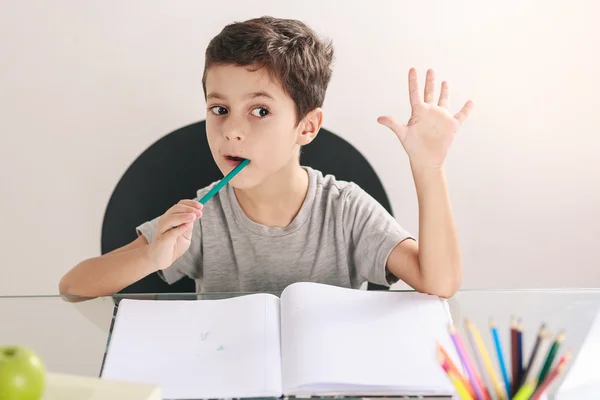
<point>551,355</point>
<point>223,182</point>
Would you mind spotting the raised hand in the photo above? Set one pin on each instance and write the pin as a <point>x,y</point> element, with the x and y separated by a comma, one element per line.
<point>429,133</point>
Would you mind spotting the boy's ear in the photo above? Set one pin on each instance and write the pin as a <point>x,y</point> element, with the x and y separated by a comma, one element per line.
<point>310,126</point>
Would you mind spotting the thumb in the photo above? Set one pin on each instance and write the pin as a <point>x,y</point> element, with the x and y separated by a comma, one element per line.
<point>185,229</point>
<point>396,127</point>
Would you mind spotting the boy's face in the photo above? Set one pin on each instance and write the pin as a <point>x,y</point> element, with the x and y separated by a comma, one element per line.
<point>250,116</point>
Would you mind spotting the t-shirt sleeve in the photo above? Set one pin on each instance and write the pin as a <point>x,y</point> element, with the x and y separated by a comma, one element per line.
<point>371,234</point>
<point>189,264</point>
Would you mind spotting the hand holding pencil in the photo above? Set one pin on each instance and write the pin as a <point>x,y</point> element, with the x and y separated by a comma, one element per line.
<point>174,228</point>
<point>173,234</point>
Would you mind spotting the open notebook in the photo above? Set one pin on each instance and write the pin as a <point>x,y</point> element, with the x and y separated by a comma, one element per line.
<point>315,340</point>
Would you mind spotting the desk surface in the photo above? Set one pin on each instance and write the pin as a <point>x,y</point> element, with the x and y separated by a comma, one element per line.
<point>71,336</point>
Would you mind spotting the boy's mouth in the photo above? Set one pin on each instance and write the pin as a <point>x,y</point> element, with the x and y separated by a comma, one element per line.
<point>233,160</point>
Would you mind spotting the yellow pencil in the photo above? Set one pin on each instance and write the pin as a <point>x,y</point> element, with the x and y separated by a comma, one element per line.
<point>486,359</point>
<point>525,391</point>
<point>460,387</point>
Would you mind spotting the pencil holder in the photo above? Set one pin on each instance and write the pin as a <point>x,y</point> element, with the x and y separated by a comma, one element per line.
<point>515,376</point>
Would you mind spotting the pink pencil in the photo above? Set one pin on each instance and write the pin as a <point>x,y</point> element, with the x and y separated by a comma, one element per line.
<point>480,391</point>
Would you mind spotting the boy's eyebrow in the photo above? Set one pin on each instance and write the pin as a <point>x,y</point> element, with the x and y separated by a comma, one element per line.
<point>253,95</point>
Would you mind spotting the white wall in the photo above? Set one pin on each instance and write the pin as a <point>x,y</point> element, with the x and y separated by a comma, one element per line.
<point>85,87</point>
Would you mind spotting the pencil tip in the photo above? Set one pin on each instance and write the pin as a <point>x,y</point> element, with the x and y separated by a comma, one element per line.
<point>568,353</point>
<point>513,323</point>
<point>439,355</point>
<point>519,324</point>
<point>546,333</point>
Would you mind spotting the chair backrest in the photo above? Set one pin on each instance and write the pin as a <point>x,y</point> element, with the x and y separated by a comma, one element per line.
<point>180,163</point>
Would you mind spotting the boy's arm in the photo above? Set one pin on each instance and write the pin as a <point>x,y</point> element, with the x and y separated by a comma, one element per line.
<point>170,237</point>
<point>107,274</point>
<point>433,266</point>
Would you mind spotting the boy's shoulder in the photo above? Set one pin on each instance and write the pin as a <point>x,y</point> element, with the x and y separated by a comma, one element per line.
<point>329,182</point>
<point>332,190</point>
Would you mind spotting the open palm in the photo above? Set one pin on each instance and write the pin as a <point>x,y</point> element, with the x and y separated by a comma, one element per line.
<point>429,133</point>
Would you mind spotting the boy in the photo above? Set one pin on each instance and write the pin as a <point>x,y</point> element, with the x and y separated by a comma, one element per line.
<point>278,222</point>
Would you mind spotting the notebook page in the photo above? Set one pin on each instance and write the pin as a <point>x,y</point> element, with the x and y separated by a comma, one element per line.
<point>199,349</point>
<point>354,341</point>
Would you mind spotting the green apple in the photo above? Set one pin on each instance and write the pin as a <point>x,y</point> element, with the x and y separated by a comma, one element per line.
<point>22,374</point>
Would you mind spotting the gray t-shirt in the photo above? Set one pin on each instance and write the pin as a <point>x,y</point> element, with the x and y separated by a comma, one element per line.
<point>341,236</point>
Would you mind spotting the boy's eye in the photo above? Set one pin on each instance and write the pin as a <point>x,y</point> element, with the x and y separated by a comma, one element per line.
<point>262,112</point>
<point>218,110</point>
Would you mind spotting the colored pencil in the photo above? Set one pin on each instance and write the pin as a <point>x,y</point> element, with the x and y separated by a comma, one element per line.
<point>223,181</point>
<point>513,352</point>
<point>525,392</point>
<point>543,334</point>
<point>520,376</point>
<point>543,386</point>
<point>454,376</point>
<point>454,368</point>
<point>466,361</point>
<point>477,363</point>
<point>500,355</point>
<point>486,358</point>
<point>551,355</point>
<point>538,358</point>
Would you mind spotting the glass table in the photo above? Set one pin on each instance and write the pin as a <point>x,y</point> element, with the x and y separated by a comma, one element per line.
<point>71,334</point>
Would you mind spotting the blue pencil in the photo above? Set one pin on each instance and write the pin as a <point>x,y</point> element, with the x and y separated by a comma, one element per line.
<point>500,357</point>
<point>223,182</point>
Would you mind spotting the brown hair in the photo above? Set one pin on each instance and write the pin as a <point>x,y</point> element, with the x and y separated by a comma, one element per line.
<point>290,50</point>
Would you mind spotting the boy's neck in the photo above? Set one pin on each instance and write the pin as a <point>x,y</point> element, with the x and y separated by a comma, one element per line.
<point>276,201</point>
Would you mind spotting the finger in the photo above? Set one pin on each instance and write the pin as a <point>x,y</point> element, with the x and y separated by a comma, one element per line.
<point>197,215</point>
<point>182,208</point>
<point>180,230</point>
<point>191,203</point>
<point>398,128</point>
<point>168,221</point>
<point>443,101</point>
<point>462,115</point>
<point>429,86</point>
<point>188,230</point>
<point>413,87</point>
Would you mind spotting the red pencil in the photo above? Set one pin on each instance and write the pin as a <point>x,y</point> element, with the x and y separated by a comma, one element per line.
<point>560,366</point>
<point>457,381</point>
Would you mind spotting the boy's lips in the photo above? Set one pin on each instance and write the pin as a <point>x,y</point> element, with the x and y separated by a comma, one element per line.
<point>233,160</point>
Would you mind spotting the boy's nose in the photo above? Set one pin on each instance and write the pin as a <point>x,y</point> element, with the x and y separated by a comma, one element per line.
<point>235,135</point>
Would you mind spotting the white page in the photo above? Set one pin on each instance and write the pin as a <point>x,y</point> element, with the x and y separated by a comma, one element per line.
<point>200,348</point>
<point>354,341</point>
<point>583,375</point>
